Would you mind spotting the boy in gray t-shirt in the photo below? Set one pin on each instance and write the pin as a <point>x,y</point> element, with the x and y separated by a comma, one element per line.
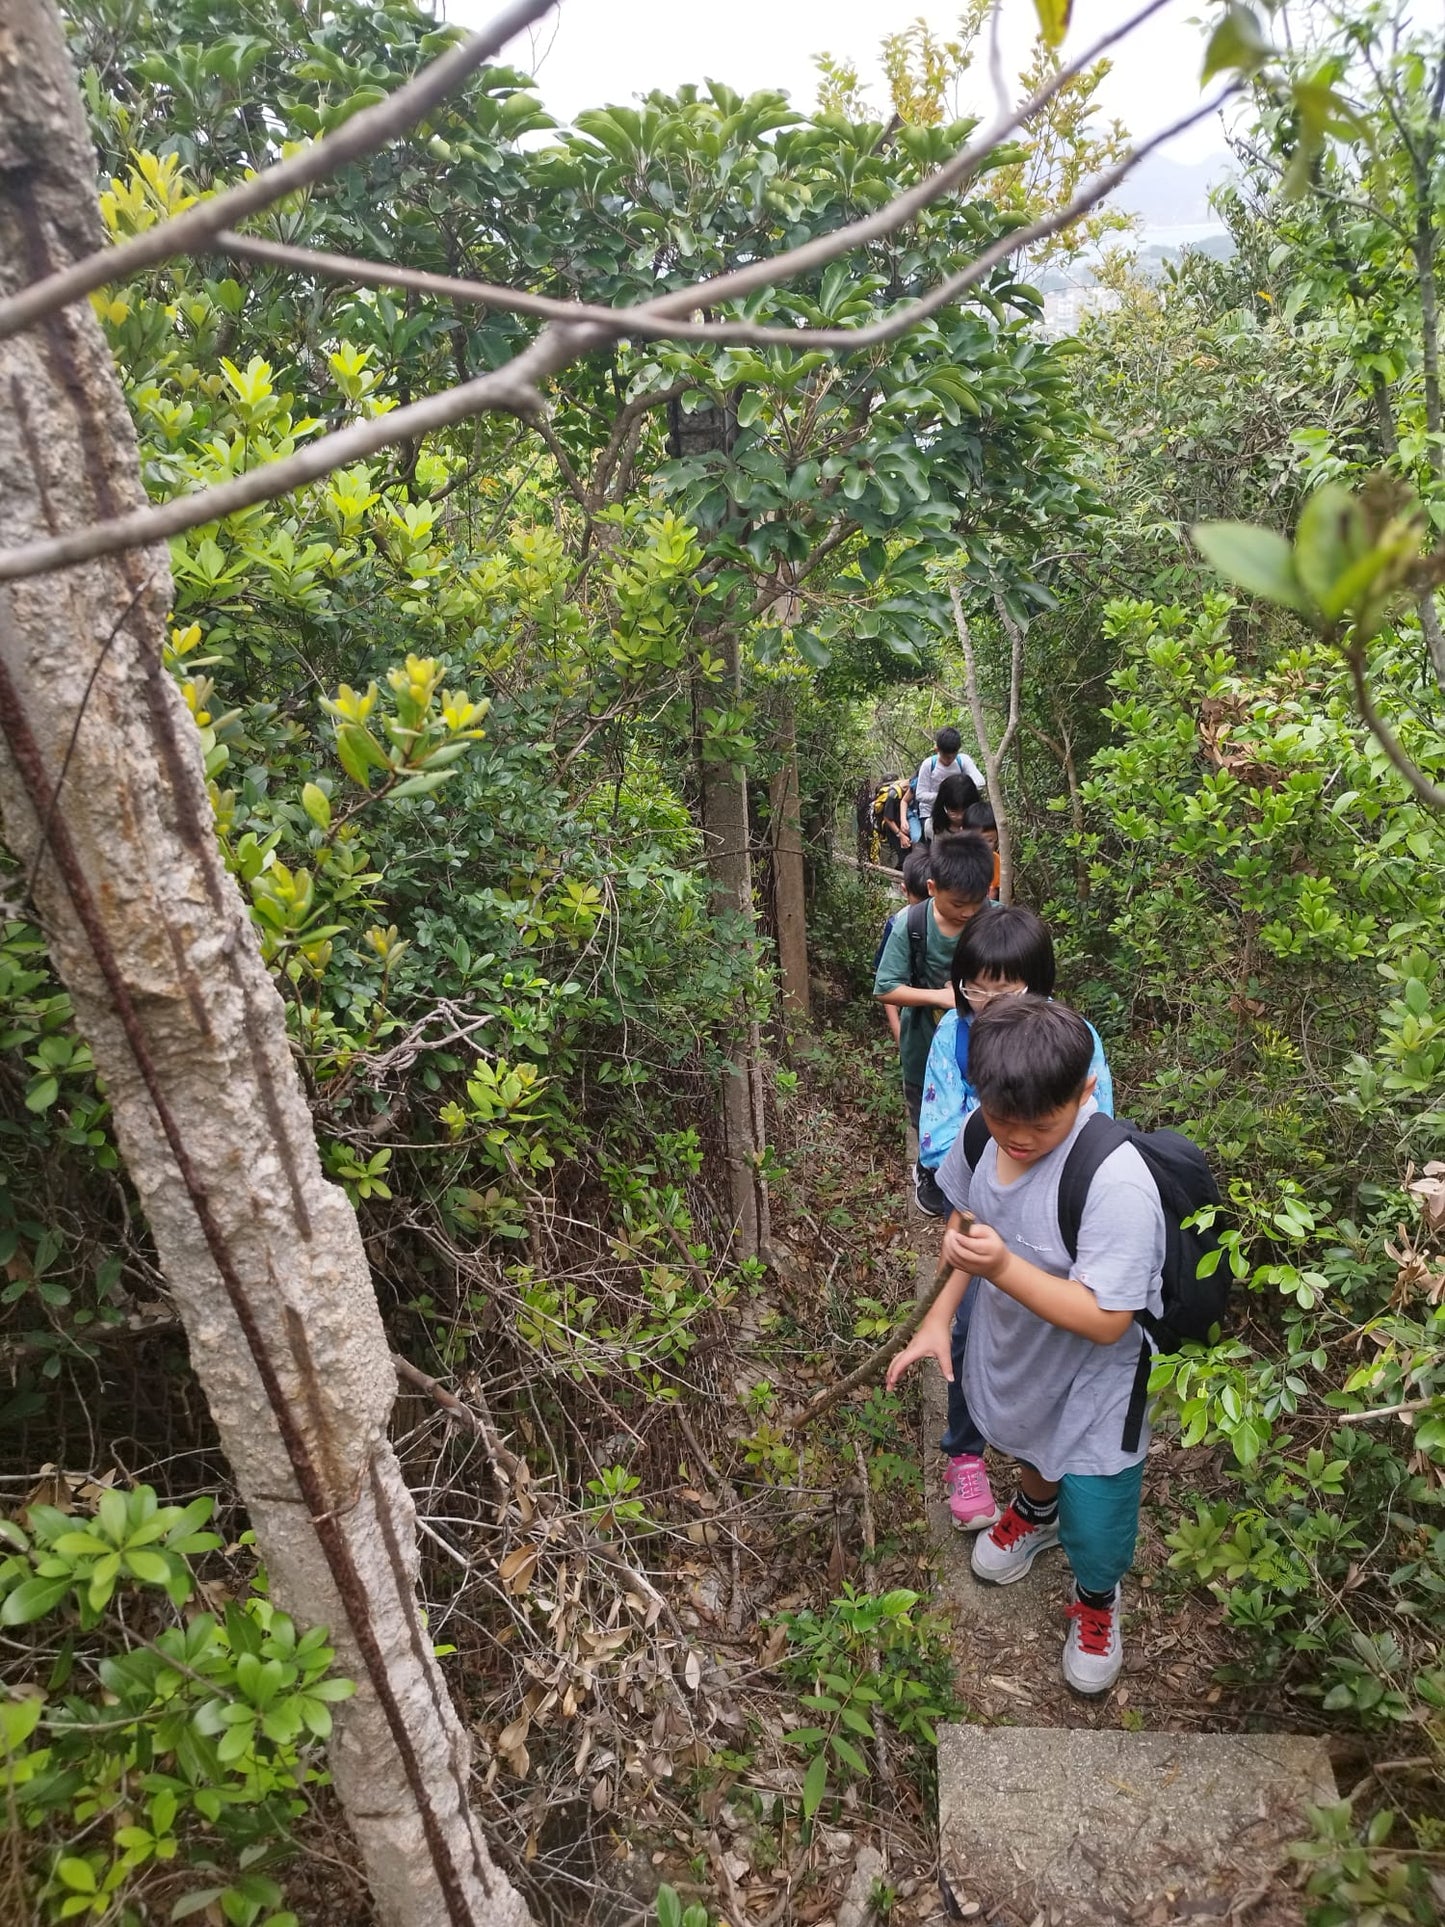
<point>1053,1348</point>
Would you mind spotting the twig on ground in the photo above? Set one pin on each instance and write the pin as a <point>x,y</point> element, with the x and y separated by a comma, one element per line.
<point>870,1559</point>
<point>514,1472</point>
<point>1389,1411</point>
<point>878,1360</point>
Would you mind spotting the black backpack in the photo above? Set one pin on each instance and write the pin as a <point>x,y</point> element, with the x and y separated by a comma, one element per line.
<point>1192,1303</point>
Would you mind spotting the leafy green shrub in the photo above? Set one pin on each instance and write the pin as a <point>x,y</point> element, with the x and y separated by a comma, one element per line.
<point>180,1776</point>
<point>865,1659</point>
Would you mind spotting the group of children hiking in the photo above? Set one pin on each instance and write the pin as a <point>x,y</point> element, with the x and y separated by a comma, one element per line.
<point>898,817</point>
<point>1069,1249</point>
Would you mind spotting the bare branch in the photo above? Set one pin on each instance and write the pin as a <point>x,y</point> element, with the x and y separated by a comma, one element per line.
<point>882,1356</point>
<point>1387,1411</point>
<point>659,318</point>
<point>630,413</point>
<point>513,387</point>
<point>507,389</point>
<point>193,231</point>
<point>970,675</point>
<point>1014,631</point>
<point>577,487</point>
<point>1429,793</point>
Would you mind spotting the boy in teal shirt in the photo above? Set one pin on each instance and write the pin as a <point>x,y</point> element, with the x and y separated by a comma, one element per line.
<point>960,876</point>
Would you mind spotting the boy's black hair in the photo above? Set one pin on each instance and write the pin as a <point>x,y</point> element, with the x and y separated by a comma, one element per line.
<point>980,816</point>
<point>948,742</point>
<point>915,873</point>
<point>962,864</point>
<point>1011,945</point>
<point>956,793</point>
<point>1028,1057</point>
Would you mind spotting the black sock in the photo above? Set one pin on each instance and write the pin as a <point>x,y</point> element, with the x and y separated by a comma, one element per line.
<point>1038,1512</point>
<point>1103,1601</point>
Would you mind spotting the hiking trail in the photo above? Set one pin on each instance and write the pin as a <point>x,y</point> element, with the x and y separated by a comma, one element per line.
<point>1059,1811</point>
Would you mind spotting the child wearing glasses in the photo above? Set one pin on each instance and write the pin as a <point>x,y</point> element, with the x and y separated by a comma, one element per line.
<point>1004,954</point>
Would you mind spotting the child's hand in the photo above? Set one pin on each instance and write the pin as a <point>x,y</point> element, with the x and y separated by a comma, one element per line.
<point>931,1340</point>
<point>976,1249</point>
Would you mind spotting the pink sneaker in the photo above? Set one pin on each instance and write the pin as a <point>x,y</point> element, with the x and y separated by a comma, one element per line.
<point>970,1497</point>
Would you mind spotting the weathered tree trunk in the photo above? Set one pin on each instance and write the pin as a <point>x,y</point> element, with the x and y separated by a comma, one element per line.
<point>994,754</point>
<point>789,906</point>
<point>727,833</point>
<point>153,941</point>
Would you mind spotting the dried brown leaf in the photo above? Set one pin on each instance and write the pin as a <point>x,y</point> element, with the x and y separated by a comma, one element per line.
<point>515,1571</point>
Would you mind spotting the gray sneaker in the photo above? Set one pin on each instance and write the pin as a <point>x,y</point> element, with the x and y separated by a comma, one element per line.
<point>1094,1650</point>
<point>1005,1552</point>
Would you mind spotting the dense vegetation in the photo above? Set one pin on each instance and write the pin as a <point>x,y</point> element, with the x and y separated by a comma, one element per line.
<point>479,718</point>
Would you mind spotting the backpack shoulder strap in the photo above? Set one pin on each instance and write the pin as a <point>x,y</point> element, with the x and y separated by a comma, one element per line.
<point>960,1045</point>
<point>975,1138</point>
<point>1100,1137</point>
<point>918,945</point>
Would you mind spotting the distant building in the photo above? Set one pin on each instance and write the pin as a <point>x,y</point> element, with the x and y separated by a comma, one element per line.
<point>1065,308</point>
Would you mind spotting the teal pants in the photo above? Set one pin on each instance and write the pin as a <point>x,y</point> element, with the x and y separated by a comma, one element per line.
<point>1098,1524</point>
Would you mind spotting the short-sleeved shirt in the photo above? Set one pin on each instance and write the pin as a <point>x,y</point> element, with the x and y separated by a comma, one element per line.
<point>932,772</point>
<point>1055,1399</point>
<point>948,1097</point>
<point>917,1022</point>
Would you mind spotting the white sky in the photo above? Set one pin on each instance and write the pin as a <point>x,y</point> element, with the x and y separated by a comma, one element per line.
<point>591,52</point>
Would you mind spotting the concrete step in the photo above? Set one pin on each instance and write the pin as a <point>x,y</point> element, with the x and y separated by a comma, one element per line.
<point>1086,1827</point>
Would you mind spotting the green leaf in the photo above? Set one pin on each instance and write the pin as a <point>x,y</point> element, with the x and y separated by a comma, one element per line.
<point>847,1752</point>
<point>18,1720</point>
<point>1053,19</point>
<point>421,785</point>
<point>1258,560</point>
<point>1331,539</point>
<point>815,1783</point>
<point>317,805</point>
<point>33,1599</point>
<point>42,1094</point>
<point>359,752</point>
<point>151,1567</point>
<point>76,1874</point>
<point>113,1515</point>
<point>669,1907</point>
<point>1237,43</point>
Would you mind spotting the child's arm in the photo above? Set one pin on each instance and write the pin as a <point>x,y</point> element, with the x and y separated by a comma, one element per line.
<point>890,979</point>
<point>905,994</point>
<point>934,1337</point>
<point>895,1022</point>
<point>1058,1301</point>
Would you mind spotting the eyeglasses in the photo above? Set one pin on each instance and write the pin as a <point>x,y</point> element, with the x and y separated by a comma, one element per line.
<point>980,996</point>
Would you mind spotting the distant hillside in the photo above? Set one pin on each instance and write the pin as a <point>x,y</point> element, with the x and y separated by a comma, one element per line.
<point>1167,193</point>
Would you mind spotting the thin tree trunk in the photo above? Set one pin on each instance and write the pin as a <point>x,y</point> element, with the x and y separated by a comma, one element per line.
<point>993,756</point>
<point>1062,751</point>
<point>153,941</point>
<point>1385,419</point>
<point>730,865</point>
<point>1426,262</point>
<point>789,907</point>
